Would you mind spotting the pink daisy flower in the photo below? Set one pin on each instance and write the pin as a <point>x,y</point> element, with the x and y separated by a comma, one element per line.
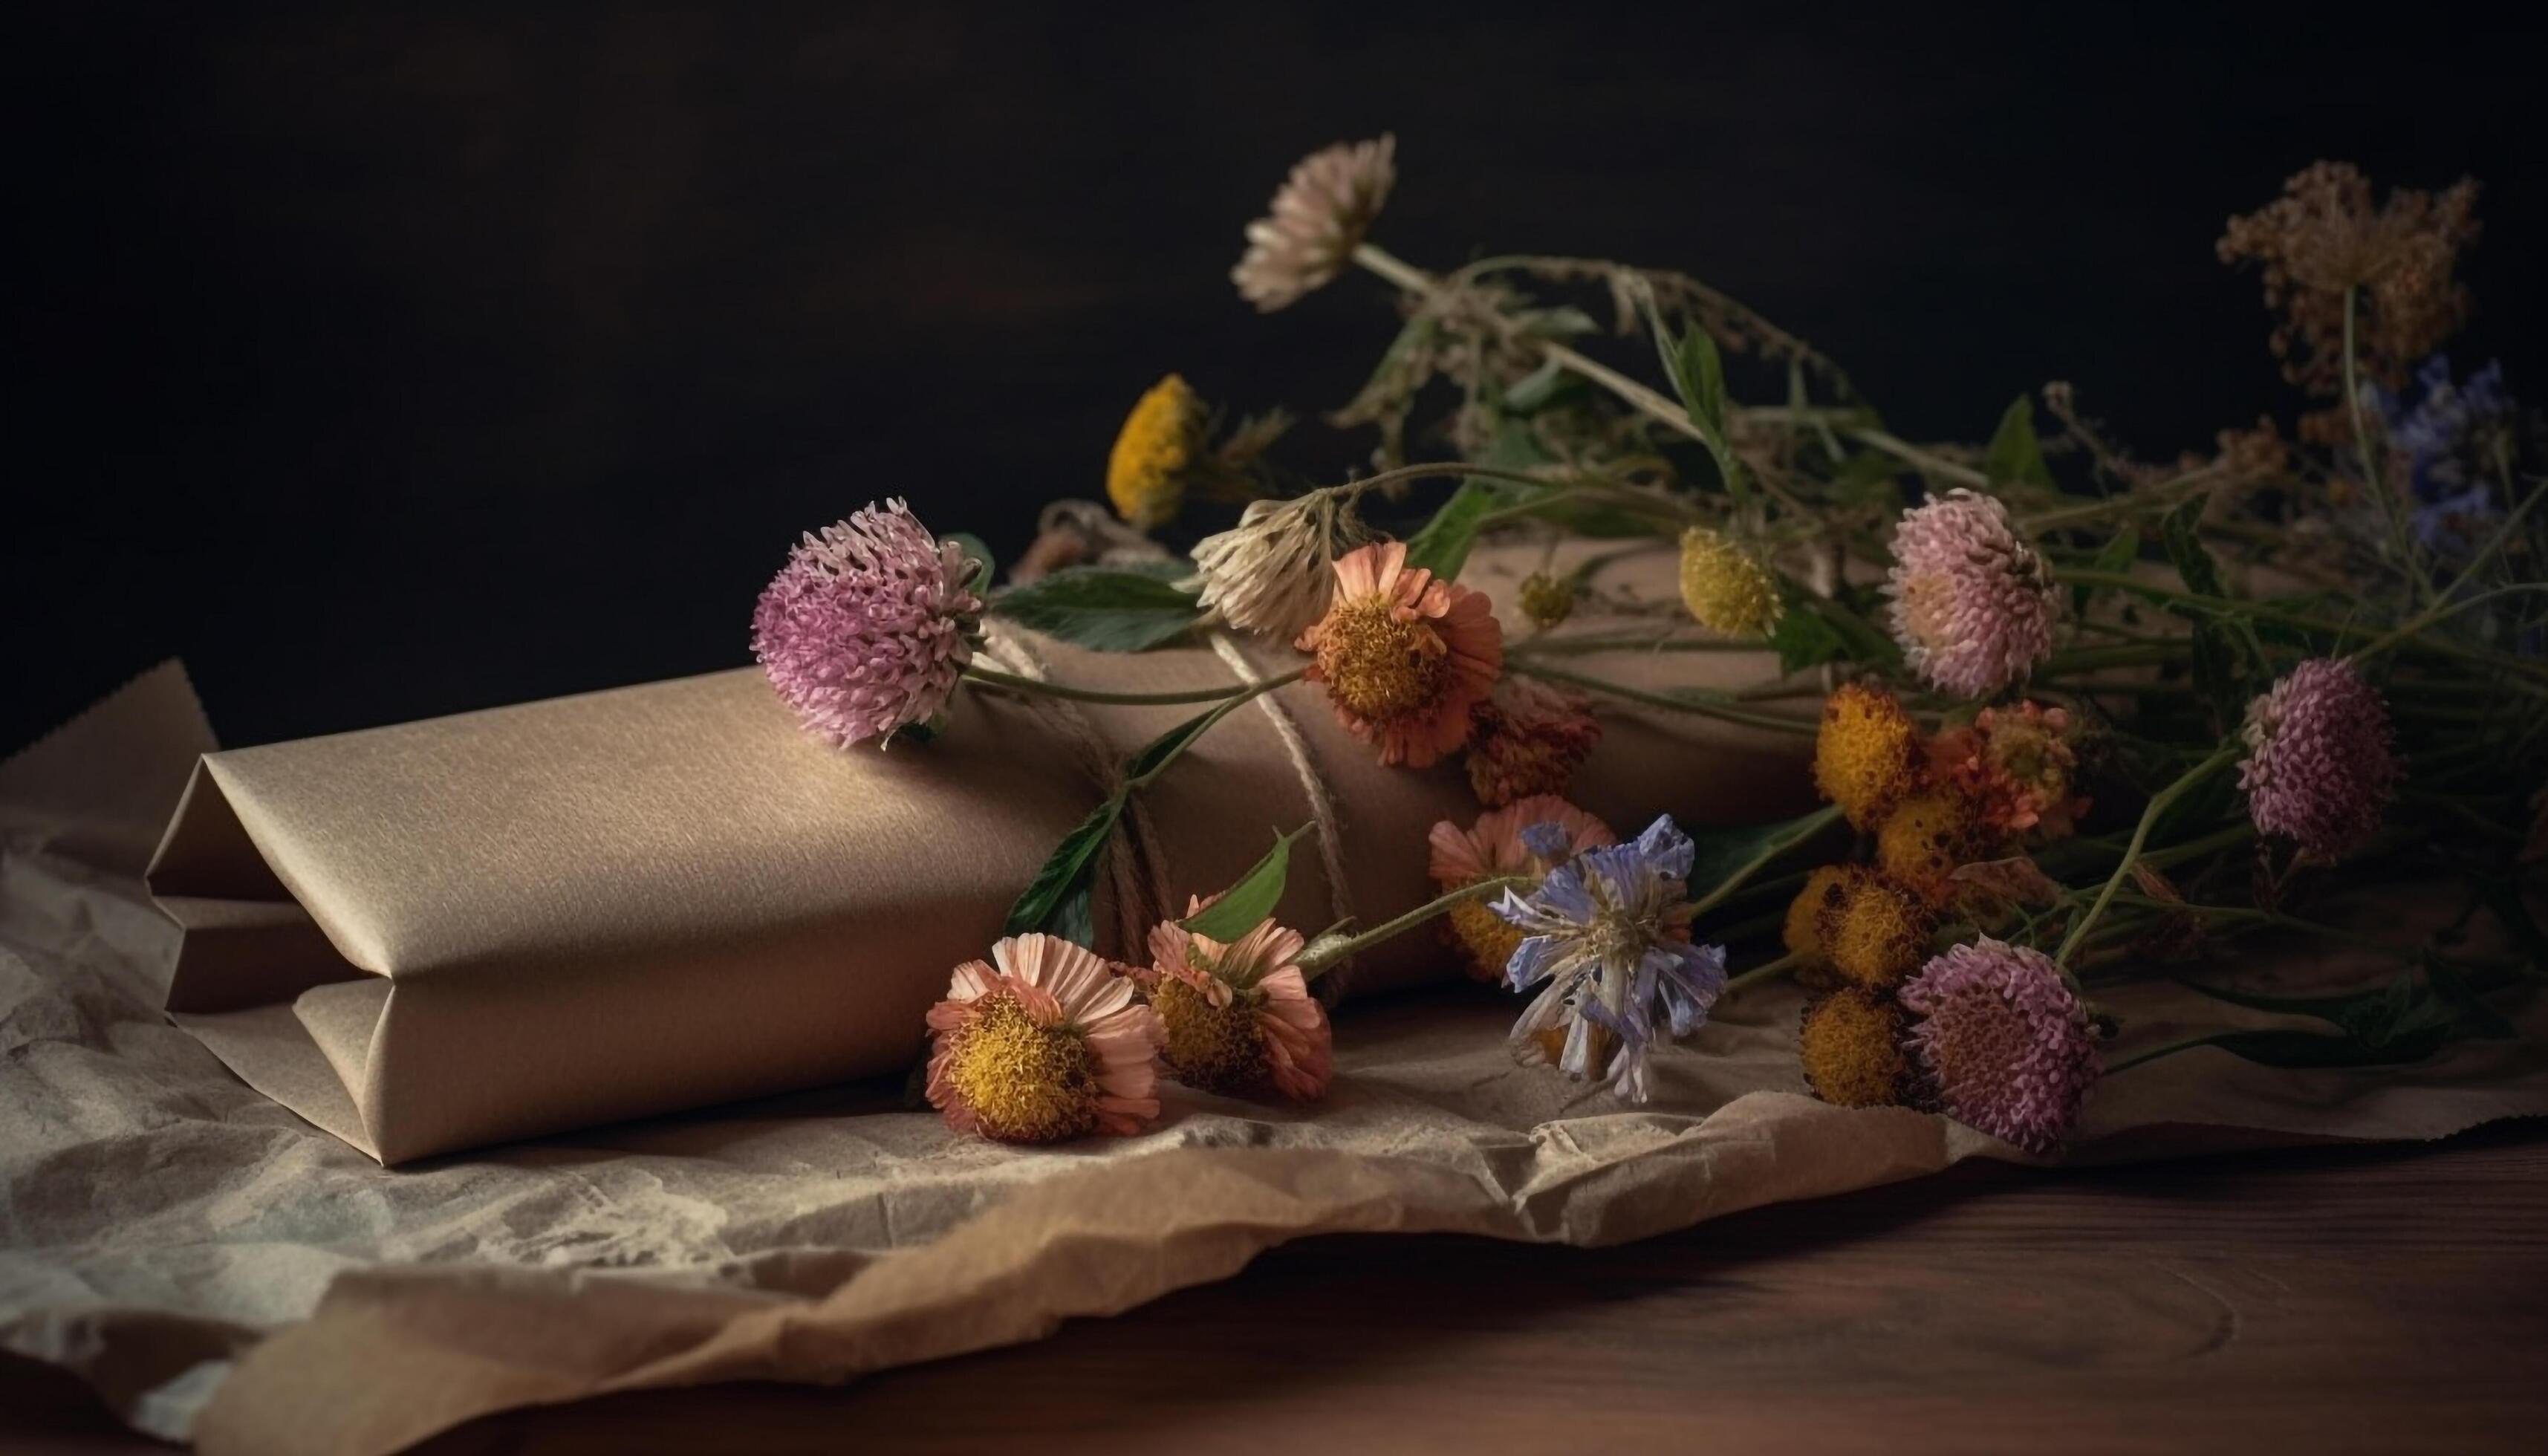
<point>1405,656</point>
<point>868,627</point>
<point>2320,768</point>
<point>1237,1017</point>
<point>1972,604</point>
<point>2003,1041</point>
<point>1045,1044</point>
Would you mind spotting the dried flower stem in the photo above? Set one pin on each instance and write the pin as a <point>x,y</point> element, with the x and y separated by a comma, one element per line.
<point>1707,706</point>
<point>2158,803</point>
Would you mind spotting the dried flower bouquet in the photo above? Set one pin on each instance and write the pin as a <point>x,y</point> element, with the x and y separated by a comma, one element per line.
<point>2082,717</point>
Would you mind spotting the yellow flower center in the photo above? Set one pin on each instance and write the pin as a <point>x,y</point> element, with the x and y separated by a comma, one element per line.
<point>1852,1049</point>
<point>1926,609</point>
<point>1026,1083</point>
<point>1487,942</point>
<point>1217,1049</point>
<point>1377,666</point>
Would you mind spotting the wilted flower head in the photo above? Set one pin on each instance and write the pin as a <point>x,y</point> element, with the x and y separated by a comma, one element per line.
<point>869,624</point>
<point>1972,604</point>
<point>2004,1043</point>
<point>1405,656</point>
<point>1275,571</point>
<point>1866,754</point>
<point>1161,439</point>
<point>2319,768</point>
<point>1493,848</point>
<point>1237,1017</point>
<point>1725,588</point>
<point>1546,598</point>
<point>1317,220</point>
<point>1610,933</point>
<point>1047,1044</point>
<point>1528,738</point>
<point>2014,766</point>
<point>1849,1044</point>
<point>2322,236</point>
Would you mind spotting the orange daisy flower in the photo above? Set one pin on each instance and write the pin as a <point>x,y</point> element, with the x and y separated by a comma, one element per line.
<point>1237,1017</point>
<point>1405,656</point>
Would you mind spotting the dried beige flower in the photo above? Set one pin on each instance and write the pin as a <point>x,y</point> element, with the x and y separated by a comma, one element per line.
<point>1273,573</point>
<point>1317,219</point>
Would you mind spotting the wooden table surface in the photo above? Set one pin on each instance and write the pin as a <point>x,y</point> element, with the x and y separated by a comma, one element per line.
<point>2339,1299</point>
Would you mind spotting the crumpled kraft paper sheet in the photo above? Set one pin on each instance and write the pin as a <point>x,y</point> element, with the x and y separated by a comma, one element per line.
<point>220,1269</point>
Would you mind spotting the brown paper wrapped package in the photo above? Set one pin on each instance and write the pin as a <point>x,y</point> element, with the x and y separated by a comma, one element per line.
<point>447,934</point>
<point>216,1266</point>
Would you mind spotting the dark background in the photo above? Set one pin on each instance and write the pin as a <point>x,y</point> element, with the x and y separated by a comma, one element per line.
<point>385,365</point>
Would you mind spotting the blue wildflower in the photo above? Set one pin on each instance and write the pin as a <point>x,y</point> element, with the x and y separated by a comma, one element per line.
<point>1609,934</point>
<point>2446,438</point>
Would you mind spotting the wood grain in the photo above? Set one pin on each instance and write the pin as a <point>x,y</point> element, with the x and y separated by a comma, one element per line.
<point>2357,1299</point>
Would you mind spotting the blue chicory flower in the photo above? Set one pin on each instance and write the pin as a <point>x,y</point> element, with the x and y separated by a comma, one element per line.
<point>2446,437</point>
<point>1610,935</point>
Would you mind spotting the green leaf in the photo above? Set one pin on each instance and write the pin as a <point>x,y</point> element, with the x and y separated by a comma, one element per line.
<point>979,553</point>
<point>1697,374</point>
<point>1058,898</point>
<point>2181,531</point>
<point>2404,1010</point>
<point>1252,899</point>
<point>1726,857</point>
<point>1104,608</point>
<point>1804,639</point>
<point>2114,558</point>
<point>1146,760</point>
<point>1536,389</point>
<point>1443,546</point>
<point>1065,875</point>
<point>2015,455</point>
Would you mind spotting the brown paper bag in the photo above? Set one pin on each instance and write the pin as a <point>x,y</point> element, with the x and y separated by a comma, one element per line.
<point>442,935</point>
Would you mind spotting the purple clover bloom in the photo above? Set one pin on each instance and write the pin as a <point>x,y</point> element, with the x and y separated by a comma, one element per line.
<point>1610,935</point>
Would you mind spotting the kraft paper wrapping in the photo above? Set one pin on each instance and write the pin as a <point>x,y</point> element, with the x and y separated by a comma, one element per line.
<point>443,934</point>
<point>214,1265</point>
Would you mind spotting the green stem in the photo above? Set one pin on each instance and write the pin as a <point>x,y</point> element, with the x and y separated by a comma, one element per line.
<point>1811,825</point>
<point>2158,804</point>
<point>2374,479</point>
<point>2076,577</point>
<point>2165,493</point>
<point>1331,950</point>
<point>994,678</point>
<point>1228,706</point>
<point>1767,972</point>
<point>2155,1052</point>
<point>1708,707</point>
<point>1913,455</point>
